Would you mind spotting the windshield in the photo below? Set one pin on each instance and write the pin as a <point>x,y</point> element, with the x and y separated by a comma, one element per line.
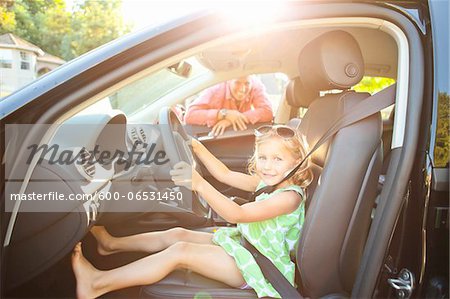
<point>145,91</point>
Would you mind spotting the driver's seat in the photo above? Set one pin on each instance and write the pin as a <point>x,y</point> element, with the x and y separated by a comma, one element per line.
<point>338,217</point>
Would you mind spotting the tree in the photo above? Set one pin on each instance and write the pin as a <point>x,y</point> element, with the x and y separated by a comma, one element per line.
<point>7,17</point>
<point>441,151</point>
<point>373,84</point>
<point>49,25</point>
<point>55,25</point>
<point>94,23</point>
<point>41,22</point>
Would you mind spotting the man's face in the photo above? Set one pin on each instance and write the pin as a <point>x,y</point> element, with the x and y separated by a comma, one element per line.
<point>241,87</point>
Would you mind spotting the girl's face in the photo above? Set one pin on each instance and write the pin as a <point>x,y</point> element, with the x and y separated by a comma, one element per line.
<point>273,161</point>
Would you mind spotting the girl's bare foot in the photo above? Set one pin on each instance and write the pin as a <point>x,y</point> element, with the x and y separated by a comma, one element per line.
<point>105,242</point>
<point>85,274</point>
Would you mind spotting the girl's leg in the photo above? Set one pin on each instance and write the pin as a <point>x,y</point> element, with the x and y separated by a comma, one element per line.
<point>209,260</point>
<point>146,242</point>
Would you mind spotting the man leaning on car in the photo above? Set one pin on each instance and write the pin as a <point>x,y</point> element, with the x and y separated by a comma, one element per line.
<point>236,103</point>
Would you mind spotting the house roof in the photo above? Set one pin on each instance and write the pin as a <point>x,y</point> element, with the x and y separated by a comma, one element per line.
<point>50,58</point>
<point>9,40</point>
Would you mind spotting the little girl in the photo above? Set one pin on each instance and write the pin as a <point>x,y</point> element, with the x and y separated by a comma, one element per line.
<point>272,223</point>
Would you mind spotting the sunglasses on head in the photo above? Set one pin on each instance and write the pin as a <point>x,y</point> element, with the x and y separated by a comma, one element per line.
<point>280,130</point>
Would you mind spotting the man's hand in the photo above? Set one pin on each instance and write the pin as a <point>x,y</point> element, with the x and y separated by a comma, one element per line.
<point>185,175</point>
<point>237,119</point>
<point>220,127</point>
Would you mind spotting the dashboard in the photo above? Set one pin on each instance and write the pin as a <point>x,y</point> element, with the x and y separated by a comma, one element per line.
<point>96,169</point>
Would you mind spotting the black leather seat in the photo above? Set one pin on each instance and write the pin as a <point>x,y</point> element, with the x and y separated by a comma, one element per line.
<point>188,284</point>
<point>346,168</point>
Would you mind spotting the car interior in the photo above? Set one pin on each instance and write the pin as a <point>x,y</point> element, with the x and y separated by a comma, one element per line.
<point>322,60</point>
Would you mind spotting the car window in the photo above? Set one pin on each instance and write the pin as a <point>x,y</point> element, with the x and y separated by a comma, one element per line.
<point>275,84</point>
<point>368,84</point>
<point>373,85</point>
<point>143,92</point>
<point>440,22</point>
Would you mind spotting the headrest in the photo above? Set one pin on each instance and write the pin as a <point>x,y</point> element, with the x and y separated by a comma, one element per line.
<point>297,94</point>
<point>331,61</point>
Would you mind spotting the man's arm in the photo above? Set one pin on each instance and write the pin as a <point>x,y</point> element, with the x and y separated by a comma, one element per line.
<point>262,107</point>
<point>203,111</point>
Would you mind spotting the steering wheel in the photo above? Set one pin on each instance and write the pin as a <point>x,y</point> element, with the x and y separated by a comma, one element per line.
<point>175,140</point>
<point>174,137</point>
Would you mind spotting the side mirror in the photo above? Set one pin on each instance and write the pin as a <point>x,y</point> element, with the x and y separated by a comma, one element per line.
<point>181,68</point>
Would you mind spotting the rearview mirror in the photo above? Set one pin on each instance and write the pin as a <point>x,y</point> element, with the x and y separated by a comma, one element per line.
<point>181,68</point>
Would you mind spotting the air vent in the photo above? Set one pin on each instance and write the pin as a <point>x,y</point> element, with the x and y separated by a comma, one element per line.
<point>86,162</point>
<point>143,135</point>
<point>134,135</point>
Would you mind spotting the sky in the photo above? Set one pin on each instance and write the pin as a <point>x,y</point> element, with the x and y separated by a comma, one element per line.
<point>142,13</point>
<point>146,12</point>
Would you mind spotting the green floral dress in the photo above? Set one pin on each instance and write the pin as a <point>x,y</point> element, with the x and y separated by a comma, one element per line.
<point>275,238</point>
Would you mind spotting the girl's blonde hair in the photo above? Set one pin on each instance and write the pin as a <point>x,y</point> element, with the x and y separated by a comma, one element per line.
<point>297,146</point>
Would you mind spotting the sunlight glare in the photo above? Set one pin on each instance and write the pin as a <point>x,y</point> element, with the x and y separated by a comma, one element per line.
<point>247,13</point>
<point>250,13</point>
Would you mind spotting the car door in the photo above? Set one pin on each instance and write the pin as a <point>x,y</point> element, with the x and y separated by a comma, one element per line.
<point>416,263</point>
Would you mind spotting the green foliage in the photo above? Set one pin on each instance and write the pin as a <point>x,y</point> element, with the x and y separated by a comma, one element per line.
<point>94,23</point>
<point>50,26</point>
<point>37,21</point>
<point>373,84</point>
<point>55,26</point>
<point>7,17</point>
<point>441,150</point>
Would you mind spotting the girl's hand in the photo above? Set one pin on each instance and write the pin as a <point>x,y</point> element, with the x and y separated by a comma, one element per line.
<point>195,144</point>
<point>185,175</point>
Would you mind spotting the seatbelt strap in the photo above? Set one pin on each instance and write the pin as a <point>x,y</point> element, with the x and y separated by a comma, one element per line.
<point>363,109</point>
<point>271,273</point>
<point>370,105</point>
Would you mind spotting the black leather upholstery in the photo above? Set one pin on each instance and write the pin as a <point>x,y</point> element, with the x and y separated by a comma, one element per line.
<point>187,284</point>
<point>298,95</point>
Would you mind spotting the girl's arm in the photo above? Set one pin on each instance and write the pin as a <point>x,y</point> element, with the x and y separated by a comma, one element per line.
<point>223,173</point>
<point>278,204</point>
